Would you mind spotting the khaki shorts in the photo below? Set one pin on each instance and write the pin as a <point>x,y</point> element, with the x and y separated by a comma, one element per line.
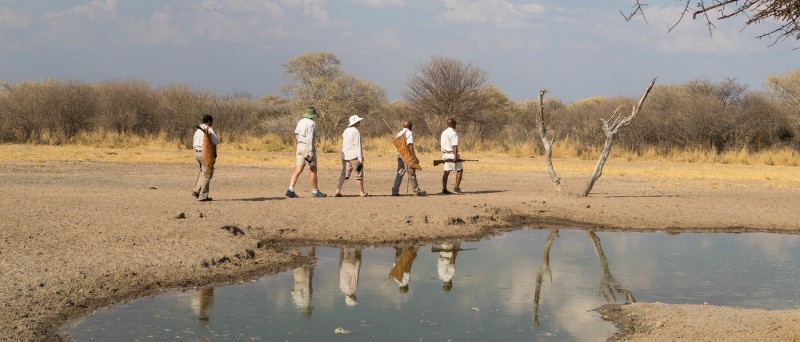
<point>348,167</point>
<point>300,159</point>
<point>458,166</point>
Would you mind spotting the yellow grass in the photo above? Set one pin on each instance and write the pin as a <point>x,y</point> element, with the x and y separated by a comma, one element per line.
<point>775,168</point>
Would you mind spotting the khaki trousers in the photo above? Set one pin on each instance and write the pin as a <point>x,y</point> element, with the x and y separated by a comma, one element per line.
<point>203,177</point>
<point>402,169</point>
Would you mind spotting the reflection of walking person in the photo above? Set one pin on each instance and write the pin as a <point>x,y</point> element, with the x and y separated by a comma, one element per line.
<point>349,267</point>
<point>202,301</point>
<point>449,142</point>
<point>401,270</point>
<point>302,289</point>
<point>205,147</point>
<point>352,156</point>
<point>446,265</point>
<point>407,162</point>
<point>306,153</point>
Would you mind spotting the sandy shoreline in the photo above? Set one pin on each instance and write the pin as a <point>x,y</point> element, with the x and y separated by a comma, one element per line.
<point>83,235</point>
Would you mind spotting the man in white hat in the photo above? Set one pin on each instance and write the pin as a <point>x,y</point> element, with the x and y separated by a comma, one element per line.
<point>352,156</point>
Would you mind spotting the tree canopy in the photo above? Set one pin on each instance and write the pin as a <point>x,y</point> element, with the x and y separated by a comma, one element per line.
<point>316,79</point>
<point>785,12</point>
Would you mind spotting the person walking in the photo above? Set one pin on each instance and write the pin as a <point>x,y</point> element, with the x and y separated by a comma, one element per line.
<point>352,156</point>
<point>306,153</point>
<point>449,142</point>
<point>407,162</point>
<point>205,152</point>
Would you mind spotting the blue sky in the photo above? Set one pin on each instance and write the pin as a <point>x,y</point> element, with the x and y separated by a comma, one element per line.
<point>577,49</point>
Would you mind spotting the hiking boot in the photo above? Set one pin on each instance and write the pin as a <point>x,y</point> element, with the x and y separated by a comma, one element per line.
<point>445,192</point>
<point>207,199</point>
<point>457,190</point>
<point>291,194</point>
<point>422,193</point>
<point>196,194</point>
<point>395,195</point>
<point>318,194</point>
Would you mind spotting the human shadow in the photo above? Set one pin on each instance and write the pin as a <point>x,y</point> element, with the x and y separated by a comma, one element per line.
<point>257,199</point>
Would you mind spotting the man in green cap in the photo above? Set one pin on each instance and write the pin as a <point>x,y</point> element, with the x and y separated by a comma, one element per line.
<point>305,132</point>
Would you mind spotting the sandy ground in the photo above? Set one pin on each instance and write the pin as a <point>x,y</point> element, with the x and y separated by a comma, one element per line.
<point>79,235</point>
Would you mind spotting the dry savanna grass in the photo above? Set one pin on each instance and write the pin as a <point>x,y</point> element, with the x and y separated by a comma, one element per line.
<point>675,169</point>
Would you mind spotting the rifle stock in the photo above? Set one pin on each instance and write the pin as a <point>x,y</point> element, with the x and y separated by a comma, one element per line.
<point>437,162</point>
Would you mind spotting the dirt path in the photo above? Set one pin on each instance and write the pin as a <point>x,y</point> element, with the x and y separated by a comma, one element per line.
<point>81,235</point>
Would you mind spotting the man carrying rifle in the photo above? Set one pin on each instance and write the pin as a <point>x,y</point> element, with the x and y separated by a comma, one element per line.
<point>450,154</point>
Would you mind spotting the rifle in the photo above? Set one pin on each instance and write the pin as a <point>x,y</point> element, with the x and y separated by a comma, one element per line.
<point>437,162</point>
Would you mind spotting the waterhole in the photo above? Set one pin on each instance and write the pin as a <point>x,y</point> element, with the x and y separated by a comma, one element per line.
<point>539,285</point>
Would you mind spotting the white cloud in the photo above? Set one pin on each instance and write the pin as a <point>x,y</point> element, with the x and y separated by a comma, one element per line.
<point>502,13</point>
<point>12,19</point>
<point>385,39</point>
<point>381,3</point>
<point>316,9</point>
<point>532,8</point>
<point>159,29</point>
<point>96,9</point>
<point>692,35</point>
<point>238,20</point>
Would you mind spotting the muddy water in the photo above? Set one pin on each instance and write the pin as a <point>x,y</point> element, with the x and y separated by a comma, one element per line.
<point>524,285</point>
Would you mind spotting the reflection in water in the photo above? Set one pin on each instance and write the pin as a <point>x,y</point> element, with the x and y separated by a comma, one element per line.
<point>608,285</point>
<point>401,269</point>
<point>493,297</point>
<point>202,302</point>
<point>446,264</point>
<point>302,289</point>
<point>349,268</point>
<point>539,276</point>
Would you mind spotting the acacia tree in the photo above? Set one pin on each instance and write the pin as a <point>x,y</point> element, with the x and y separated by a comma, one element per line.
<point>316,79</point>
<point>447,87</point>
<point>785,12</point>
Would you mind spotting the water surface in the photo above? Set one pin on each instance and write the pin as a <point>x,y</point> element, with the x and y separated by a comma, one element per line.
<point>536,285</point>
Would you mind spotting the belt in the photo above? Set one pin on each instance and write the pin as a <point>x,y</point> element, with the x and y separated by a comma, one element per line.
<point>447,151</point>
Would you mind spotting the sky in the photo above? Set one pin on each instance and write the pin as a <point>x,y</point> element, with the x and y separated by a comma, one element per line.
<point>576,49</point>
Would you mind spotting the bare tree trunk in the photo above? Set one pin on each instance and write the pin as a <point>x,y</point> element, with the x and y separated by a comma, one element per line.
<point>611,127</point>
<point>548,143</point>
<point>540,276</point>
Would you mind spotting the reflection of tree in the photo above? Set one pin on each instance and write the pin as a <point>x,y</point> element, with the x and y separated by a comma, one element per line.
<point>539,276</point>
<point>608,285</point>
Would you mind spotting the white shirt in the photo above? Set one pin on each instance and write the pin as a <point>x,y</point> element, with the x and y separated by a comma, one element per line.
<point>305,132</point>
<point>409,135</point>
<point>351,144</point>
<point>449,139</point>
<point>197,141</point>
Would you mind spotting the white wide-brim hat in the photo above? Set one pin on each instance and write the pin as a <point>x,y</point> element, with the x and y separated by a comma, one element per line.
<point>355,119</point>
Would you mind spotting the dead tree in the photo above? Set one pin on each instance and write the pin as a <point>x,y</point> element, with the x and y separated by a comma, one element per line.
<point>548,143</point>
<point>611,127</point>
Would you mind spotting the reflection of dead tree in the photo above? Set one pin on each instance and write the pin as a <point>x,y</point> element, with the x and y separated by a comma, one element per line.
<point>611,127</point>
<point>608,285</point>
<point>548,143</point>
<point>544,269</point>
